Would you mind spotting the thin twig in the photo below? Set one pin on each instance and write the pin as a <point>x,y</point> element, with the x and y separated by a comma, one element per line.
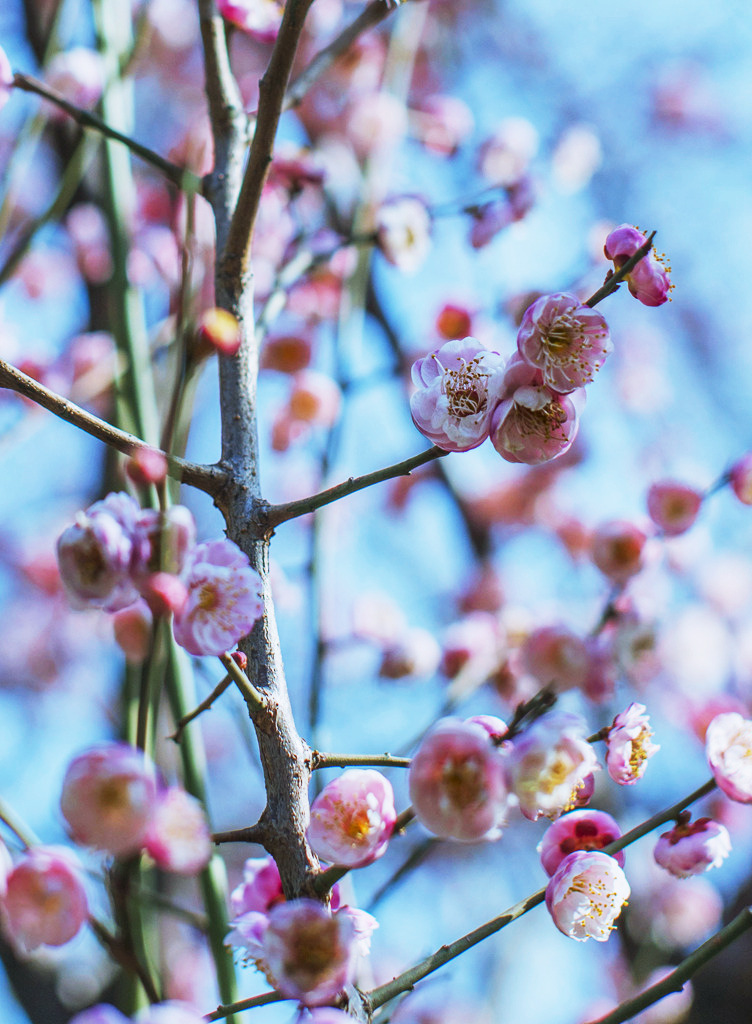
<point>179,176</point>
<point>674,981</point>
<point>319,760</point>
<point>276,514</point>
<point>206,478</point>
<point>253,698</point>
<point>251,834</point>
<point>244,1004</point>
<point>205,704</point>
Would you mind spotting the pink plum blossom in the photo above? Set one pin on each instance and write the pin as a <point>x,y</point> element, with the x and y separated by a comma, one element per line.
<point>586,895</point>
<point>224,598</point>
<point>648,281</point>
<point>532,423</point>
<point>403,232</point>
<point>548,764</point>
<point>692,847</point>
<point>556,657</point>
<point>458,387</point>
<point>352,818</point>
<point>162,542</point>
<point>45,902</point>
<point>259,18</point>
<point>728,747</point>
<point>617,550</point>
<point>6,78</point>
<point>179,838</point>
<point>629,745</point>
<point>96,552</point>
<point>101,1014</point>
<point>442,123</point>
<point>505,157</point>
<point>261,888</point>
<point>248,930</point>
<point>578,830</point>
<point>673,507</point>
<point>147,466</point>
<point>78,74</point>
<point>108,798</point>
<point>457,784</point>
<point>132,627</point>
<point>566,340</point>
<point>496,727</point>
<point>307,952</point>
<point>740,477</point>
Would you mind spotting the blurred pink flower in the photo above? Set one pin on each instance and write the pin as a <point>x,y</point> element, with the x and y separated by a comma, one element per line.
<point>648,281</point>
<point>442,123</point>
<point>171,1013</point>
<point>307,952</point>
<point>673,507</point>
<point>6,78</point>
<point>578,830</point>
<point>505,157</point>
<point>352,818</point>
<point>548,763</point>
<point>259,18</point>
<point>586,895</point>
<point>740,477</point>
<point>45,902</point>
<point>616,548</point>
<point>224,599</point>
<point>261,888</point>
<point>692,847</point>
<point>101,1014</point>
<point>403,232</point>
<point>728,746</point>
<point>458,387</point>
<point>178,838</point>
<point>108,798</point>
<point>629,745</point>
<point>532,423</point>
<point>78,74</point>
<point>556,657</point>
<point>132,627</point>
<point>457,784</point>
<point>566,340</point>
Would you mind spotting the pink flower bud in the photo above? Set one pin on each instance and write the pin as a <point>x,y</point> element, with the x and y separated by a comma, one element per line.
<point>261,888</point>
<point>556,657</point>
<point>454,322</point>
<point>132,627</point>
<point>740,476</point>
<point>690,848</point>
<point>533,424</point>
<point>577,830</point>
<point>95,554</point>
<point>548,764</point>
<point>617,549</point>
<point>162,542</point>
<point>308,953</point>
<point>504,158</point>
<point>164,593</point>
<point>179,838</point>
<point>648,281</point>
<point>108,798</point>
<point>458,387</point>
<point>219,330</point>
<point>496,727</point>
<point>728,747</point>
<point>352,818</point>
<point>629,745</point>
<point>586,894</point>
<point>315,398</point>
<point>457,784</point>
<point>45,902</point>
<point>147,466</point>
<point>673,507</point>
<point>287,353</point>
<point>224,599</point>
<point>6,78</point>
<point>403,232</point>
<point>566,340</point>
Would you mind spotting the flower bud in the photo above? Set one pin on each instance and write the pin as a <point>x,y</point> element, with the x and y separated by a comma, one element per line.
<point>578,830</point>
<point>673,507</point>
<point>690,848</point>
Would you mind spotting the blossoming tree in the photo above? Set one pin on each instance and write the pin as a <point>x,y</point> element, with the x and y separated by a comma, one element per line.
<point>247,235</point>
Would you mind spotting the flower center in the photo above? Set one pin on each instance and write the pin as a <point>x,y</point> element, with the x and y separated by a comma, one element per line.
<point>535,416</point>
<point>465,388</point>
<point>463,782</point>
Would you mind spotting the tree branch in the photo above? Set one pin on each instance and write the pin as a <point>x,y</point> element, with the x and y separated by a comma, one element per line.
<point>179,176</point>
<point>206,478</point>
<point>613,280</point>
<point>319,760</point>
<point>244,1004</point>
<point>276,514</point>
<point>674,981</point>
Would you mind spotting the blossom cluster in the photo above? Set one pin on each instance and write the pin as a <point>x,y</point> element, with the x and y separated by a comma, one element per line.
<point>307,951</point>
<point>530,404</point>
<point>142,562</point>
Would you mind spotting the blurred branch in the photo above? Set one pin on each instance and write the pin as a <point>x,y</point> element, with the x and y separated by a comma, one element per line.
<point>674,981</point>
<point>372,15</point>
<point>276,514</point>
<point>236,252</point>
<point>179,176</point>
<point>206,478</point>
<point>205,704</point>
<point>244,1004</point>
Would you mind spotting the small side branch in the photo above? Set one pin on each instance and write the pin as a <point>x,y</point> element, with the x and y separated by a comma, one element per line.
<point>205,704</point>
<point>206,478</point>
<point>277,514</point>
<point>244,1004</point>
<point>251,695</point>
<point>319,760</point>
<point>179,176</point>
<point>251,834</point>
<point>373,14</point>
